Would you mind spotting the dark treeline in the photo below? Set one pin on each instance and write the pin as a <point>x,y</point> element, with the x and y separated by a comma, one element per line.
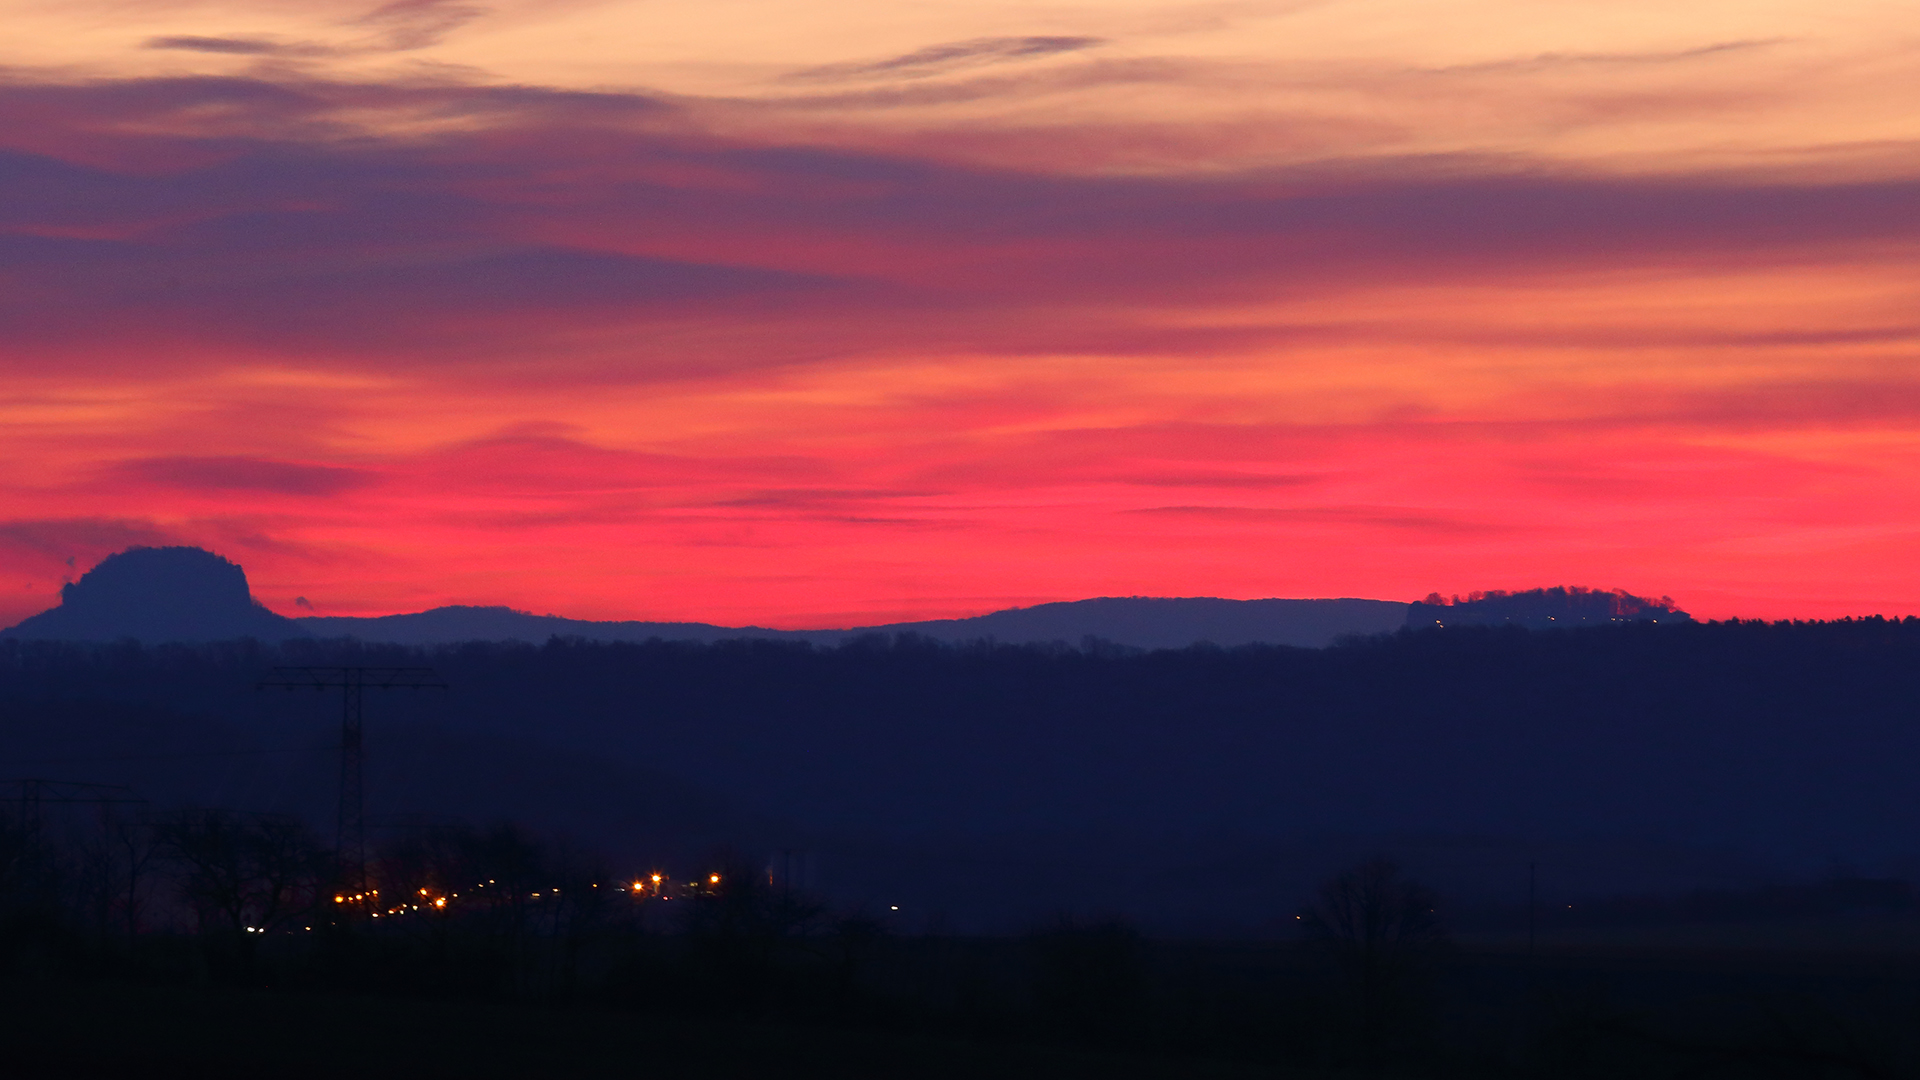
<point>1625,760</point>
<point>1166,853</point>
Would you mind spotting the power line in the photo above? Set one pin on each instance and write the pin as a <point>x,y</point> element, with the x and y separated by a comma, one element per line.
<point>35,792</point>
<point>350,837</point>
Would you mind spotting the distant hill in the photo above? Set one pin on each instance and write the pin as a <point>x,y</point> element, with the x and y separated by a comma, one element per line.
<point>460,622</point>
<point>1135,621</point>
<point>1542,609</point>
<point>1148,622</point>
<point>188,594</point>
<point>158,595</point>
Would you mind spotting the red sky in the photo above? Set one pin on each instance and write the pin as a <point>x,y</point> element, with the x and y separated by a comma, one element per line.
<point>826,313</point>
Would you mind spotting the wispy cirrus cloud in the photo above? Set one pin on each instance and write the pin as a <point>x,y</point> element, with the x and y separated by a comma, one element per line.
<point>239,474</point>
<point>948,56</point>
<point>398,27</point>
<point>1542,61</point>
<point>238,46</point>
<point>1397,519</point>
<point>407,25</point>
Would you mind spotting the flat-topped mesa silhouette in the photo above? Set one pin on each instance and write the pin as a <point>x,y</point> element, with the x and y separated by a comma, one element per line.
<point>1542,609</point>
<point>158,595</point>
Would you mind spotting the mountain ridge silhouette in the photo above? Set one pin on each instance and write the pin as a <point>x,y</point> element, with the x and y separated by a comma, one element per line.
<point>189,594</point>
<point>1140,622</point>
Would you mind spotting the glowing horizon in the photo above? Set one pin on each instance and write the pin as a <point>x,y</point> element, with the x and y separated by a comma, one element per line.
<point>773,314</point>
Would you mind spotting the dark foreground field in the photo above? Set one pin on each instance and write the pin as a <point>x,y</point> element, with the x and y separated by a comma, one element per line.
<point>1737,1004</point>
<point>122,1030</point>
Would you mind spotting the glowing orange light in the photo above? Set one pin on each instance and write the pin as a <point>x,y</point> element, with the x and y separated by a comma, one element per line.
<point>713,879</point>
<point>442,902</point>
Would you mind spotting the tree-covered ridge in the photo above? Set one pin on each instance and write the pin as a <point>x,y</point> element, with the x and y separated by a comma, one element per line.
<point>1542,609</point>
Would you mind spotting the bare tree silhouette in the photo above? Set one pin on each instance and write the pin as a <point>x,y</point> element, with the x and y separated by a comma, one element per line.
<point>1381,931</point>
<point>245,875</point>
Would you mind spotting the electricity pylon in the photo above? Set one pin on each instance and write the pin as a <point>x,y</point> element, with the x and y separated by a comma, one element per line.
<point>350,835</point>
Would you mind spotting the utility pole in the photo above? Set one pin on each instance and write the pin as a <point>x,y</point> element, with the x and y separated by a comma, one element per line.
<point>1532,907</point>
<point>350,830</point>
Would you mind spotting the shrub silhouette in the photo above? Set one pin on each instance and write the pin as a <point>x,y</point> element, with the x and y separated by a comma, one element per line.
<point>737,929</point>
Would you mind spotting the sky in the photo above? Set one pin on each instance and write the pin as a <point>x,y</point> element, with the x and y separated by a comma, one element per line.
<point>842,312</point>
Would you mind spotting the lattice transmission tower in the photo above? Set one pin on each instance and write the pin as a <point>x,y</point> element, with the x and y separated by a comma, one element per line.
<point>350,835</point>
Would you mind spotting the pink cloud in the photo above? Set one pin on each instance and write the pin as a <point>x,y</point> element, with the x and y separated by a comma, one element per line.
<point>240,474</point>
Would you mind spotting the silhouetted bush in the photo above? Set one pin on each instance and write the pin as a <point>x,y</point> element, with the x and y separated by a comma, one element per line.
<point>739,929</point>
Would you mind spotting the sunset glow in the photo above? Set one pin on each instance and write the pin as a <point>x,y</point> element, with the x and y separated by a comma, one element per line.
<point>813,315</point>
